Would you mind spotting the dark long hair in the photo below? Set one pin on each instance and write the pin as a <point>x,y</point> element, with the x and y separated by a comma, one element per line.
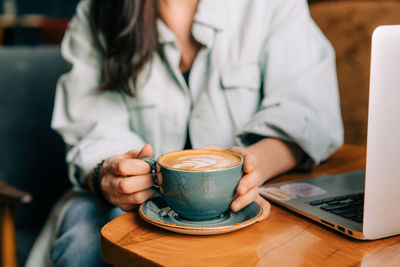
<point>126,33</point>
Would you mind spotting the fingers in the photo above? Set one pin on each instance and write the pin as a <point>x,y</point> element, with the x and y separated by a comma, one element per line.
<point>127,192</point>
<point>250,161</point>
<point>266,207</point>
<point>125,178</point>
<point>130,201</point>
<point>127,207</point>
<point>126,167</point>
<point>136,198</point>
<point>248,182</point>
<point>129,164</point>
<point>127,185</point>
<point>147,151</point>
<point>244,200</point>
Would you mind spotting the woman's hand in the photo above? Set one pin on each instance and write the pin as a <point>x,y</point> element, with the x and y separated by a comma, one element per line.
<point>247,189</point>
<point>125,179</point>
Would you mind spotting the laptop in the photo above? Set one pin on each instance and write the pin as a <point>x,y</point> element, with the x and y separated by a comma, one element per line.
<point>364,204</point>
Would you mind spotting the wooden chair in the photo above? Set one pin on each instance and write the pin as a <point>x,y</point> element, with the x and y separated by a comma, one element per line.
<point>8,197</point>
<point>349,26</point>
<point>32,155</point>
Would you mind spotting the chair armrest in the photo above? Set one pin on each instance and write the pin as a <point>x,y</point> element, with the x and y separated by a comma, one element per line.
<point>9,193</point>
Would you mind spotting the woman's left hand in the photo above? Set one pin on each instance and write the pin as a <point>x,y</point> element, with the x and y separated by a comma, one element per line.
<point>247,189</point>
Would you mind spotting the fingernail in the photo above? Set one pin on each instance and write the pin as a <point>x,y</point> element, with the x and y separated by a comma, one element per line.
<point>236,205</point>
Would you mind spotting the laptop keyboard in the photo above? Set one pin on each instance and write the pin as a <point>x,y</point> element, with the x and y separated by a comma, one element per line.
<point>349,206</point>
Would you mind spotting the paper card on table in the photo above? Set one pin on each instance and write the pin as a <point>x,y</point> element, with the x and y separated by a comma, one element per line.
<point>275,193</point>
<point>302,189</point>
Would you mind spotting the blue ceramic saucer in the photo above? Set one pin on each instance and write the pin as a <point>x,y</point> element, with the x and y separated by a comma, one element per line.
<point>157,212</point>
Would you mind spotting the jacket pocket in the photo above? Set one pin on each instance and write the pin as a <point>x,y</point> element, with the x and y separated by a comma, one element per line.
<point>144,117</point>
<point>241,84</point>
<point>241,75</point>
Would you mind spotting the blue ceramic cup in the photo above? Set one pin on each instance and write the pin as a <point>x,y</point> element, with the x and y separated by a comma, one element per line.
<point>198,184</point>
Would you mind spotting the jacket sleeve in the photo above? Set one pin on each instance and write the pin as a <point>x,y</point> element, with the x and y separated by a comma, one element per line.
<point>94,125</point>
<point>301,100</point>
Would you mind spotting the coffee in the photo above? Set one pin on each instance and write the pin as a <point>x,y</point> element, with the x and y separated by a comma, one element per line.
<point>200,160</point>
<point>198,184</point>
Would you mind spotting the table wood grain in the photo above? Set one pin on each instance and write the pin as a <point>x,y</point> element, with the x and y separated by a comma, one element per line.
<point>284,239</point>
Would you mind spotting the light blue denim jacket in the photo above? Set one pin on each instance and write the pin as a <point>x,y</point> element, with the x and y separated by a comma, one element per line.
<point>265,70</point>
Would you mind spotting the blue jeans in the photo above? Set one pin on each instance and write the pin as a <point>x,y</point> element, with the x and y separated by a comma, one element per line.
<point>78,239</point>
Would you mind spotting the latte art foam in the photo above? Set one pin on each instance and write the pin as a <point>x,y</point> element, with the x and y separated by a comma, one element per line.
<point>200,160</point>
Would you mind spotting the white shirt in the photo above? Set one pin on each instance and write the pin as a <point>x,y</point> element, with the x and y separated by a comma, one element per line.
<point>265,70</point>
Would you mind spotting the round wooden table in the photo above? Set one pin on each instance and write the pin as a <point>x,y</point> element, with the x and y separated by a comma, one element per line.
<point>284,239</point>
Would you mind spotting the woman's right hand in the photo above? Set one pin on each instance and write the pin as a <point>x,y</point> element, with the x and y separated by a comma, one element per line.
<point>125,179</point>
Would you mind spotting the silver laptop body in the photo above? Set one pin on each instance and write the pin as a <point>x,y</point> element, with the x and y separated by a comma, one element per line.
<point>361,204</point>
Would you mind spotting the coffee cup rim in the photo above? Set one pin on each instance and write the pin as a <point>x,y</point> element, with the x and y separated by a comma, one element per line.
<point>210,150</point>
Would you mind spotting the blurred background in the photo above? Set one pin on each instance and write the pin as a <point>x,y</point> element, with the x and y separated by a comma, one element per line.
<point>26,22</point>
<point>32,155</point>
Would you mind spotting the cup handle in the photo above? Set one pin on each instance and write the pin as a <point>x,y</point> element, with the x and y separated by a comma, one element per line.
<point>153,166</point>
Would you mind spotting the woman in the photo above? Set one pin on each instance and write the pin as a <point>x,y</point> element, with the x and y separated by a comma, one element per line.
<point>148,77</point>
